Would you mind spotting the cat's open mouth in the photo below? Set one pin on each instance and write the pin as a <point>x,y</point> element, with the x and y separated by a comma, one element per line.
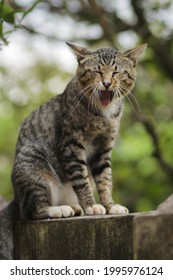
<point>106,96</point>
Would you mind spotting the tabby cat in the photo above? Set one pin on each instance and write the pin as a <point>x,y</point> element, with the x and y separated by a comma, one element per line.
<point>64,148</point>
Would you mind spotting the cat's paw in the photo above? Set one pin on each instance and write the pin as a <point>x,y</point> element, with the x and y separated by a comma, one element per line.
<point>96,209</point>
<point>118,209</point>
<point>78,211</point>
<point>62,211</point>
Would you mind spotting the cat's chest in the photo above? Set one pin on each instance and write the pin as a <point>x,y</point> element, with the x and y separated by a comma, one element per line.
<point>99,143</point>
<point>90,149</point>
<point>99,136</point>
<point>96,127</point>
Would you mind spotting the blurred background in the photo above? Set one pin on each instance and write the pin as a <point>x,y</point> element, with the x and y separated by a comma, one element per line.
<point>36,64</point>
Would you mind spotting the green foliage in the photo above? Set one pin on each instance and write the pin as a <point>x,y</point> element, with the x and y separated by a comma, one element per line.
<point>9,22</point>
<point>138,178</point>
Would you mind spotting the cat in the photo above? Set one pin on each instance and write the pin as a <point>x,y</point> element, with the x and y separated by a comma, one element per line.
<point>64,147</point>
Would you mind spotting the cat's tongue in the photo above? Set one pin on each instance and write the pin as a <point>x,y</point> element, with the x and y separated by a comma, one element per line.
<point>105,97</point>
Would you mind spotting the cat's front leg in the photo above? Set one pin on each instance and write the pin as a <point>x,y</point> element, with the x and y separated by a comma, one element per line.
<point>102,173</point>
<point>75,164</point>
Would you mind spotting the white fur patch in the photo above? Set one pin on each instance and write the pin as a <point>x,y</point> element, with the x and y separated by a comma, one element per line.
<point>60,211</point>
<point>96,209</point>
<point>63,194</point>
<point>118,209</point>
<point>109,110</point>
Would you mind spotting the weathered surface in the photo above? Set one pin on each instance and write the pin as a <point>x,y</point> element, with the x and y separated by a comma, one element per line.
<point>166,207</point>
<point>94,237</point>
<point>7,219</point>
<point>140,236</point>
<point>3,203</point>
<point>153,233</point>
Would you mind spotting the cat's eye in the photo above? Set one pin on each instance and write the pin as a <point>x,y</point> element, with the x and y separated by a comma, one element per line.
<point>128,75</point>
<point>99,72</point>
<point>114,73</point>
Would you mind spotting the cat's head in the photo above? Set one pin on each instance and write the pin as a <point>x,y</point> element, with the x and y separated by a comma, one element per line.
<point>106,74</point>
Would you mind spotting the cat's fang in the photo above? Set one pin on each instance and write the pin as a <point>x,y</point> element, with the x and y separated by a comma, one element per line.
<point>106,97</point>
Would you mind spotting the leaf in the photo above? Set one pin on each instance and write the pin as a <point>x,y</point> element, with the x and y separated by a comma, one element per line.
<point>10,18</point>
<point>8,14</point>
<point>30,9</point>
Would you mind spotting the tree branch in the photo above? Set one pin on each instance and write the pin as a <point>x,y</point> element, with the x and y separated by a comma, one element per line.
<point>157,153</point>
<point>142,24</point>
<point>162,50</point>
<point>100,13</point>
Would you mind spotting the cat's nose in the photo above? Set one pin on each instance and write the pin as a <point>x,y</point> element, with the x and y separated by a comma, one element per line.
<point>106,83</point>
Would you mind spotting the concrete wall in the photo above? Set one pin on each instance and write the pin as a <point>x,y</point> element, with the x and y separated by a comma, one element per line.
<point>153,237</point>
<point>135,236</point>
<point>153,233</point>
<point>94,237</point>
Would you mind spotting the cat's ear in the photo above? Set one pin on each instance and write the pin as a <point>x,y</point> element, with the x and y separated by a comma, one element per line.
<point>135,53</point>
<point>80,52</point>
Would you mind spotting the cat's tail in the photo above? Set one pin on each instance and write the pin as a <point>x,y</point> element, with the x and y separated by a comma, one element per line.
<point>7,221</point>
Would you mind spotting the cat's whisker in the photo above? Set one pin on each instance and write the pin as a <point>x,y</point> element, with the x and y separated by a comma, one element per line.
<point>83,95</point>
<point>83,90</point>
<point>118,93</point>
<point>136,113</point>
<point>134,98</point>
<point>92,101</point>
<point>130,102</point>
<point>124,90</point>
<point>97,106</point>
<point>132,95</point>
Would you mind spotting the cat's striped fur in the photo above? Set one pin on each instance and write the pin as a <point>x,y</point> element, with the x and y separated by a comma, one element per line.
<point>64,147</point>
